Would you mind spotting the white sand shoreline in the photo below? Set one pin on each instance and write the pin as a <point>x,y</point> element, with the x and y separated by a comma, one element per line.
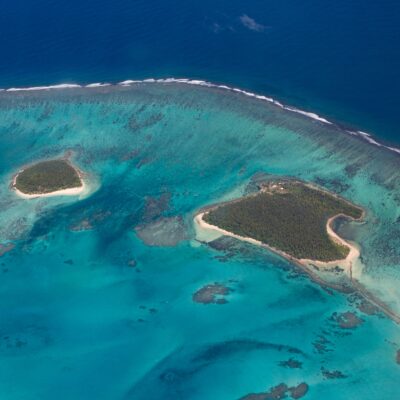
<point>75,191</point>
<point>345,263</point>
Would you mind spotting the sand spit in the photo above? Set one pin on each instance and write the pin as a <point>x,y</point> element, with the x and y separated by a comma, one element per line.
<point>347,262</point>
<point>306,265</point>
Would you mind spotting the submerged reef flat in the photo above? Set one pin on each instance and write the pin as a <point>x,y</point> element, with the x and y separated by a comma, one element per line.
<point>48,178</point>
<point>293,219</point>
<point>289,216</point>
<point>83,278</point>
<point>165,232</point>
<point>5,248</point>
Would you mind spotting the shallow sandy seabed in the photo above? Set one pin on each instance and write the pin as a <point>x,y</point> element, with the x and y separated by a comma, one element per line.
<point>71,299</point>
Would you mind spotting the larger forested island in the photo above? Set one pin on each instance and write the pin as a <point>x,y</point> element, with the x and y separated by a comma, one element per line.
<point>48,177</point>
<point>289,216</point>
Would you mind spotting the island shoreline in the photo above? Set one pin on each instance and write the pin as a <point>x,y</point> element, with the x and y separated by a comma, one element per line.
<point>352,256</point>
<point>354,252</point>
<point>305,268</point>
<point>73,191</point>
<point>305,265</point>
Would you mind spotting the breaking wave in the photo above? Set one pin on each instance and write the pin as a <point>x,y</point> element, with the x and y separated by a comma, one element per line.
<point>364,135</point>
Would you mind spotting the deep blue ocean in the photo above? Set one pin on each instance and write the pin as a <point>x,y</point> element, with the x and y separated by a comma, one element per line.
<point>340,59</point>
<point>119,292</point>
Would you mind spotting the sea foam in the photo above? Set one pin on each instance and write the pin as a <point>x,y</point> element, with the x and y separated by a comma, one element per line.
<point>364,135</point>
<point>97,84</point>
<point>33,88</point>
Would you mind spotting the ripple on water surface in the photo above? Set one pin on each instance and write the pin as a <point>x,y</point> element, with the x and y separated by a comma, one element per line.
<point>97,293</point>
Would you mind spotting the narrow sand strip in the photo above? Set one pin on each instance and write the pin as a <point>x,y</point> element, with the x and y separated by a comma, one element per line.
<point>345,263</point>
<point>65,192</point>
<point>76,191</point>
<point>305,265</point>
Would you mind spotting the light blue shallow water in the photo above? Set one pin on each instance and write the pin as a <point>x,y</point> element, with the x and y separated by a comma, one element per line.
<point>340,59</point>
<point>79,321</point>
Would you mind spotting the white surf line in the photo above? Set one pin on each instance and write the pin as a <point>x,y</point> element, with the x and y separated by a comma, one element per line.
<point>60,86</point>
<point>35,88</point>
<point>97,84</point>
<point>129,82</point>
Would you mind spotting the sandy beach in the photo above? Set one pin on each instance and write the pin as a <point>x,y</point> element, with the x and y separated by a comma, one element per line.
<point>345,263</point>
<point>76,191</point>
<point>306,265</point>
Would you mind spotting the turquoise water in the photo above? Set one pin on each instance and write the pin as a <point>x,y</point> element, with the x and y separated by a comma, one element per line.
<point>100,313</point>
<point>340,59</point>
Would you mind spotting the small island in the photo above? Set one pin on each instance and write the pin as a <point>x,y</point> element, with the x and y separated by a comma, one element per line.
<point>289,217</point>
<point>49,178</point>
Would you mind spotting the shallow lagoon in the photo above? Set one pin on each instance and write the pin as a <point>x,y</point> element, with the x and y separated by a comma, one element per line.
<point>89,310</point>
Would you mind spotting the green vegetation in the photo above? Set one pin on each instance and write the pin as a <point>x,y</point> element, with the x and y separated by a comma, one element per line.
<point>289,216</point>
<point>47,177</point>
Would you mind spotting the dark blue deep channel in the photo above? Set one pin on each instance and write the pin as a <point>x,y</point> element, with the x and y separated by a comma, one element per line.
<point>340,59</point>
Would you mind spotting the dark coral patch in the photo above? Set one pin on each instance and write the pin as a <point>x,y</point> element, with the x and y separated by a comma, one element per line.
<point>332,374</point>
<point>279,392</point>
<point>347,320</point>
<point>291,363</point>
<point>212,293</point>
